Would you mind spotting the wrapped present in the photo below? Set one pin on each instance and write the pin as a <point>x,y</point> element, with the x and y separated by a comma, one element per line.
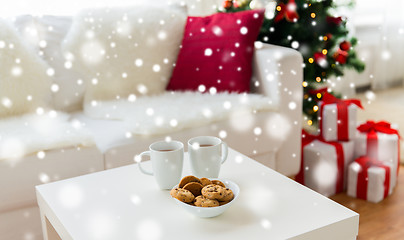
<point>378,140</point>
<point>337,118</point>
<point>324,164</point>
<point>370,179</point>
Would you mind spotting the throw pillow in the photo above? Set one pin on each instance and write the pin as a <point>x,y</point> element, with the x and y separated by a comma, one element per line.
<point>125,52</point>
<point>45,33</point>
<point>24,83</point>
<point>216,52</point>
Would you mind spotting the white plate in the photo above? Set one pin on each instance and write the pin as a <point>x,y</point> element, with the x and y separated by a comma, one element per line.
<point>208,212</point>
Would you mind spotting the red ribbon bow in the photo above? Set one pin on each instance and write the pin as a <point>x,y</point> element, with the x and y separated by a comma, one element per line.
<point>287,11</point>
<point>307,138</point>
<point>382,126</point>
<point>342,113</point>
<point>371,129</point>
<point>328,98</point>
<point>363,180</point>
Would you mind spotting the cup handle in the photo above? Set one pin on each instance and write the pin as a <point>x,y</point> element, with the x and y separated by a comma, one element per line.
<point>224,152</point>
<point>147,153</point>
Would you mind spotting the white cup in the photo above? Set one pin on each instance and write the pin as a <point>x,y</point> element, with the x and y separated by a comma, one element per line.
<point>206,155</point>
<point>167,161</point>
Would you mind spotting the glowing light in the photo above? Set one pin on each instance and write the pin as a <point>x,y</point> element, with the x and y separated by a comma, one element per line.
<point>222,134</point>
<point>319,95</point>
<point>278,126</point>
<point>278,8</point>
<point>292,105</point>
<point>324,51</point>
<point>311,60</point>
<point>309,122</point>
<point>41,154</point>
<point>217,31</point>
<point>44,178</point>
<point>208,52</point>
<point>50,72</point>
<point>318,79</point>
<point>156,68</point>
<point>325,38</point>
<point>315,108</point>
<point>304,84</point>
<point>138,62</point>
<point>312,15</point>
<point>16,71</point>
<point>257,131</point>
<point>6,102</point>
<point>201,88</point>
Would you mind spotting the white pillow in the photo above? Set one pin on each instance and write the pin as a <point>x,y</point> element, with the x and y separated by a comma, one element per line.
<point>45,34</point>
<point>24,83</point>
<point>123,52</point>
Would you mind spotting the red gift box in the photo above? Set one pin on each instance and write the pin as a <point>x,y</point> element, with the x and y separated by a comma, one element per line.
<point>370,179</point>
<point>324,164</point>
<point>378,140</point>
<point>337,118</point>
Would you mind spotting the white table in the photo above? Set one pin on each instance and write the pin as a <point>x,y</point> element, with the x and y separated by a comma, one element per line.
<point>123,203</point>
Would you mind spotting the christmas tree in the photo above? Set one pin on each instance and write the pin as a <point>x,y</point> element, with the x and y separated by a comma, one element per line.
<point>309,27</point>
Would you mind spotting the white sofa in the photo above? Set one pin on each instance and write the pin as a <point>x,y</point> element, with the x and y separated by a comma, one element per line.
<point>272,137</point>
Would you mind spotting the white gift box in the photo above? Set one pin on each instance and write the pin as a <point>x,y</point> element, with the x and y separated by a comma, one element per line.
<point>375,185</point>
<point>321,167</point>
<point>387,148</point>
<point>329,126</point>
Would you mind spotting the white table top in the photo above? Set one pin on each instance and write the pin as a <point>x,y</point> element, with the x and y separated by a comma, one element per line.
<point>123,203</point>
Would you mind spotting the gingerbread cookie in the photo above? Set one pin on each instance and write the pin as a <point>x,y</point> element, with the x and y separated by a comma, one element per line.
<point>188,179</point>
<point>205,181</point>
<point>185,196</point>
<point>228,195</point>
<point>201,201</point>
<point>194,187</point>
<point>217,182</point>
<point>213,191</point>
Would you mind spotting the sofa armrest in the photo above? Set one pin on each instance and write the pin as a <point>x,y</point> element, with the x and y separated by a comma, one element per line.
<point>278,74</point>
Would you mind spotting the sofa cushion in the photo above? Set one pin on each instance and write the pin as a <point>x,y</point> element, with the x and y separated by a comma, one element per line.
<point>216,52</point>
<point>31,133</point>
<point>174,111</point>
<point>123,52</point>
<point>24,83</point>
<point>45,34</point>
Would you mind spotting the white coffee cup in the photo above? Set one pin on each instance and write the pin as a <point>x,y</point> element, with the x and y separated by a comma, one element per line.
<point>206,155</point>
<point>167,160</point>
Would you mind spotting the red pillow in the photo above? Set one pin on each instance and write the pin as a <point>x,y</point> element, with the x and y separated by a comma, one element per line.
<point>216,52</point>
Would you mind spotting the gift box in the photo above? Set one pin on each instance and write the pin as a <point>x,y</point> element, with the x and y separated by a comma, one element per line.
<point>324,164</point>
<point>378,140</point>
<point>370,179</point>
<point>337,118</point>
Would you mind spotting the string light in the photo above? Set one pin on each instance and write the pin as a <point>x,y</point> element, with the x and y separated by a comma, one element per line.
<point>304,84</point>
<point>324,51</point>
<point>310,122</point>
<point>319,95</point>
<point>325,38</point>
<point>311,60</point>
<point>313,15</point>
<point>315,108</point>
<point>278,8</point>
<point>318,79</point>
